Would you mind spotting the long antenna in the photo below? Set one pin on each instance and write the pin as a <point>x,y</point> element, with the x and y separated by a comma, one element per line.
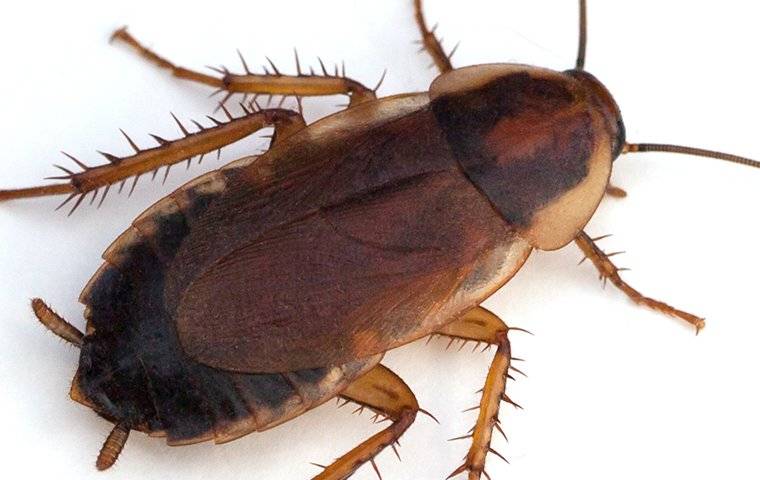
<point>580,63</point>
<point>659,147</point>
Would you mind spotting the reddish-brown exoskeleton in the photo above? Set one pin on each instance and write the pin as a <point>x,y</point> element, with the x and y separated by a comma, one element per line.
<point>260,290</point>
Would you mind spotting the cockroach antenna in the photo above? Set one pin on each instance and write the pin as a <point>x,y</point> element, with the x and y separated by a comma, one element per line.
<point>698,152</point>
<point>580,62</point>
<point>650,147</point>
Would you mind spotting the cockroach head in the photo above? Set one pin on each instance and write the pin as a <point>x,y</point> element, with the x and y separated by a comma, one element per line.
<point>602,98</point>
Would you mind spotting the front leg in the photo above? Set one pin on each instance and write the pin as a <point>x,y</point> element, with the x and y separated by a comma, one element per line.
<point>610,272</point>
<point>430,42</point>
<point>480,325</point>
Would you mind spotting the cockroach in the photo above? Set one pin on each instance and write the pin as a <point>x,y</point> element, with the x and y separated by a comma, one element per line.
<point>263,289</point>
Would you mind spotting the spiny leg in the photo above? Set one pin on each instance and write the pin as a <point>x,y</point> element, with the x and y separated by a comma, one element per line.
<point>610,272</point>
<point>166,154</point>
<point>482,326</point>
<point>442,60</point>
<point>56,324</point>
<point>269,83</point>
<point>430,42</point>
<point>385,393</point>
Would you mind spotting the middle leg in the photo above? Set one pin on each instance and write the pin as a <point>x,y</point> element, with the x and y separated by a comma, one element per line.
<point>385,393</point>
<point>480,325</point>
<point>269,83</point>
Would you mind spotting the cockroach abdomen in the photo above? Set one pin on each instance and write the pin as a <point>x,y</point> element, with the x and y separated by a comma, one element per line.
<point>132,368</point>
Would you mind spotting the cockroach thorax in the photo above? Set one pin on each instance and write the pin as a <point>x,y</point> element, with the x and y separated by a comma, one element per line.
<point>538,143</point>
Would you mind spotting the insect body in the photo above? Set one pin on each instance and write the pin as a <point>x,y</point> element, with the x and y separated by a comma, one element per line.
<point>261,290</point>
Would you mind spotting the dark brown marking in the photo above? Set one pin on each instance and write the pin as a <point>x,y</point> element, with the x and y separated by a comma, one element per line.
<point>602,100</point>
<point>521,138</point>
<point>132,370</point>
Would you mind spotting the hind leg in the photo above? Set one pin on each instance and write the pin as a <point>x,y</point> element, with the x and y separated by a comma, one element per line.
<point>384,392</point>
<point>92,180</point>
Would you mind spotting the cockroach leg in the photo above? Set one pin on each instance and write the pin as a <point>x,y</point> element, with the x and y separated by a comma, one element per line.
<point>385,393</point>
<point>430,42</point>
<point>166,154</point>
<point>481,325</point>
<point>616,192</point>
<point>112,447</point>
<point>610,272</point>
<point>270,83</point>
<point>442,60</point>
<point>56,324</point>
<point>180,72</point>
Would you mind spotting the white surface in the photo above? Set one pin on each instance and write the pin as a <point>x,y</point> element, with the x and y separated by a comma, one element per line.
<point>614,391</point>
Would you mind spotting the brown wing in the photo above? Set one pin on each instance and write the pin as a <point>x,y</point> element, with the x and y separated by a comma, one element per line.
<point>345,281</point>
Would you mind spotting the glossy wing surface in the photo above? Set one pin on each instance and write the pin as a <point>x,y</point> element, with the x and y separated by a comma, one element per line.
<point>343,282</point>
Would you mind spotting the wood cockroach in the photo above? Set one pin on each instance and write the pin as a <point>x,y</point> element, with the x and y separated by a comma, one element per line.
<point>532,104</point>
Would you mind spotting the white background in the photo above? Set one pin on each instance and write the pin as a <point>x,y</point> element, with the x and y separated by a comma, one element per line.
<point>614,390</point>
